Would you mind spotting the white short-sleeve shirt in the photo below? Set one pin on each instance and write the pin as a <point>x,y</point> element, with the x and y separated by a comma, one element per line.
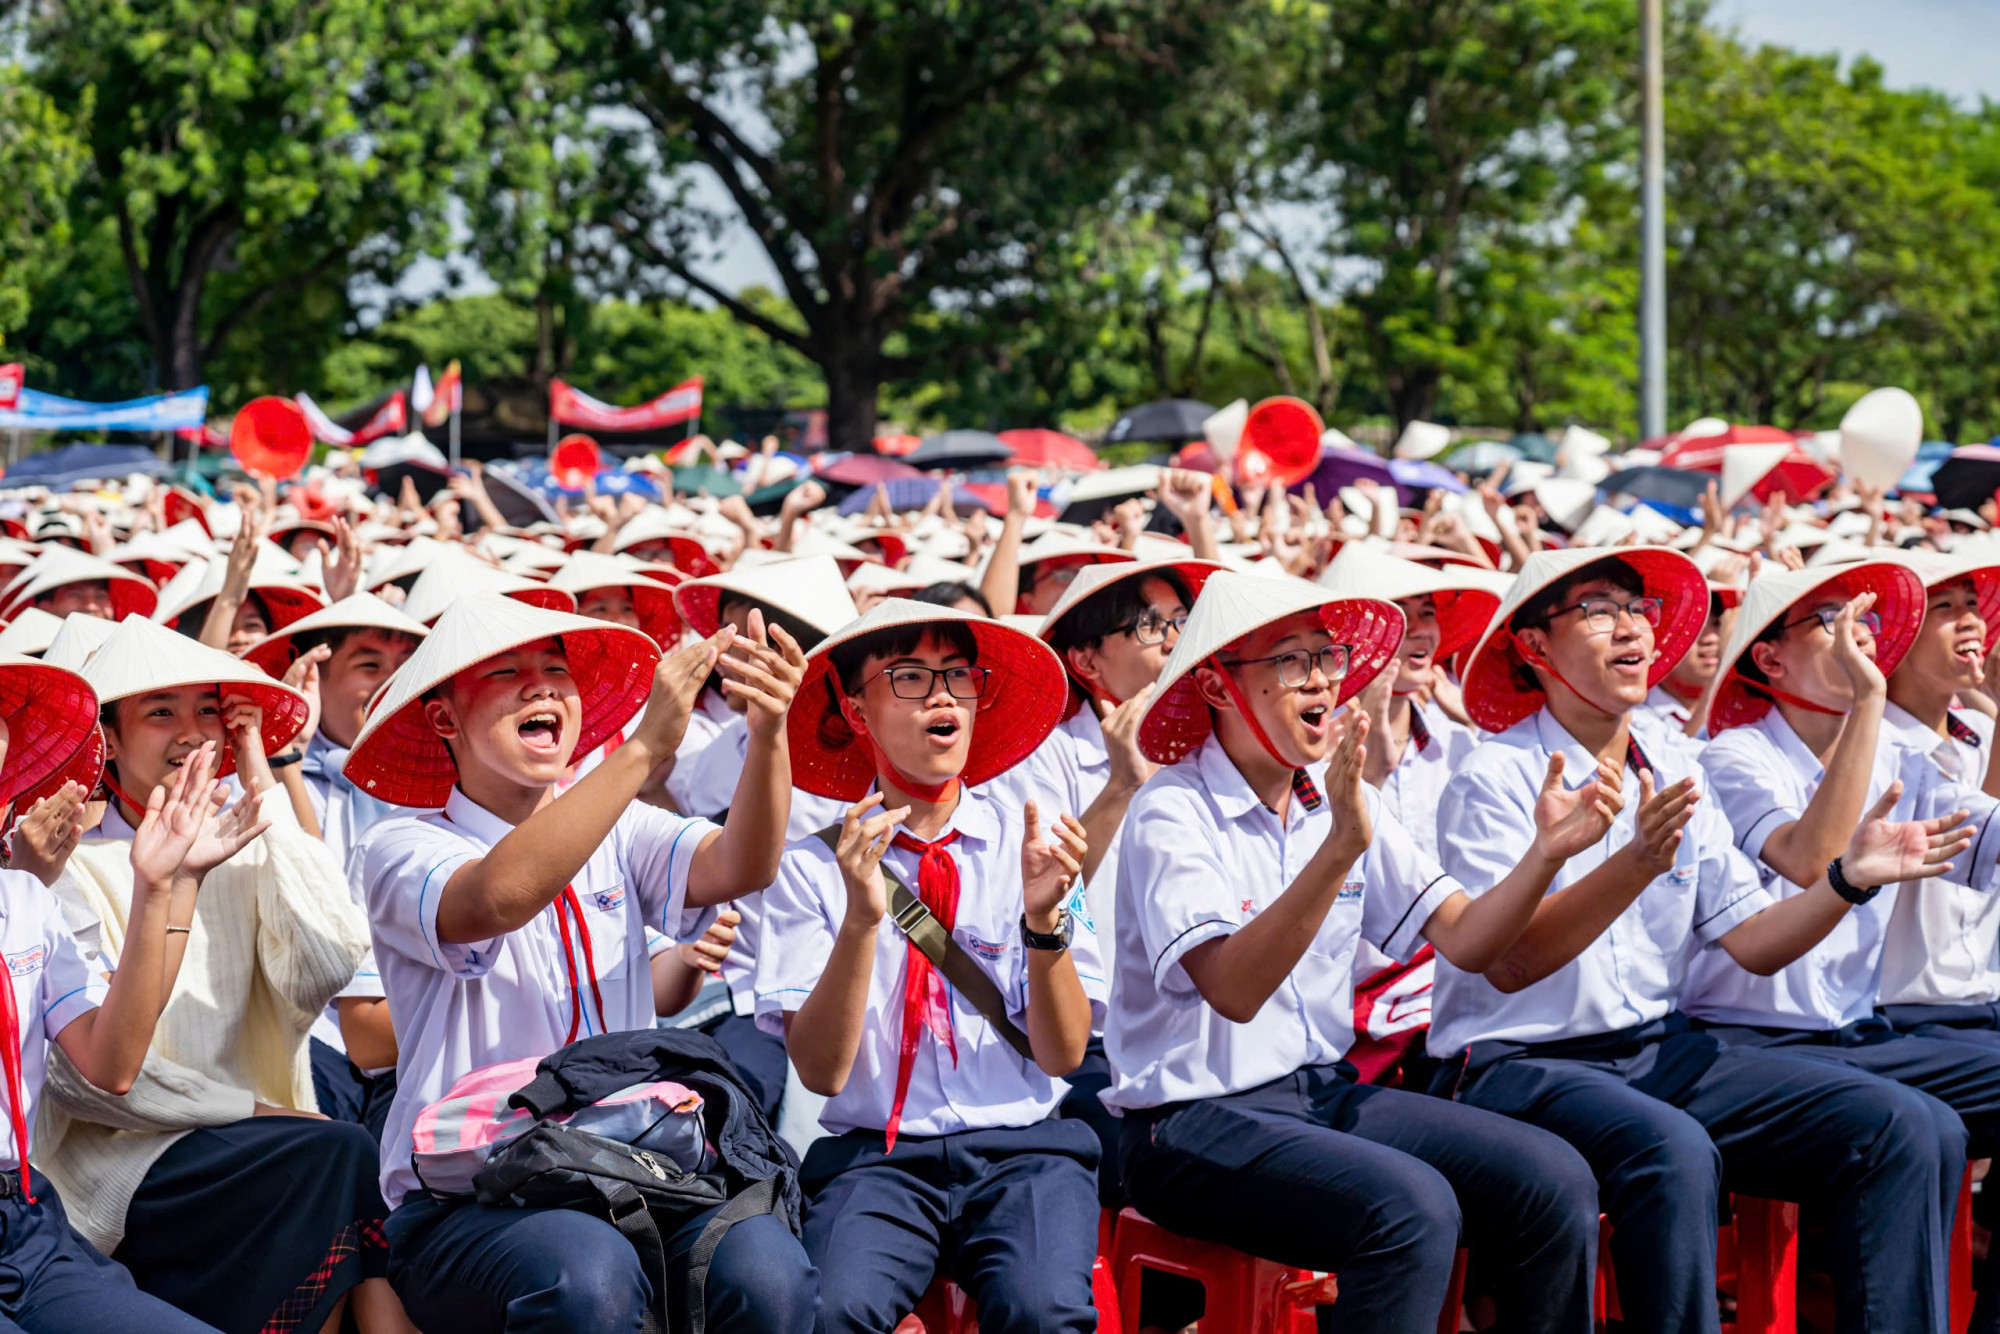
<point>344,814</point>
<point>1633,972</point>
<point>1065,775</point>
<point>457,1007</point>
<point>1438,744</point>
<point>990,1085</point>
<point>53,987</point>
<point>1203,856</point>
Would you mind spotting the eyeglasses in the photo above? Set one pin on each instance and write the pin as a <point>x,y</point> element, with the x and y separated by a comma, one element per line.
<point>1826,616</point>
<point>1296,667</point>
<point>1062,576</point>
<point>1601,614</point>
<point>921,682</point>
<point>1152,628</point>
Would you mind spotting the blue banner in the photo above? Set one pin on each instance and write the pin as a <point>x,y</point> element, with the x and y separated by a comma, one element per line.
<point>38,411</point>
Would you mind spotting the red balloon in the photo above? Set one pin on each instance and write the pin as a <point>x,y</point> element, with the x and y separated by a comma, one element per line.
<point>270,437</point>
<point>574,461</point>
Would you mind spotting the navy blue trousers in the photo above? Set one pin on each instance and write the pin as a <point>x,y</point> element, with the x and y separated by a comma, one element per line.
<point>1081,1103</point>
<point>467,1268</point>
<point>758,1056</point>
<point>1010,1214</point>
<point>1377,1185</point>
<point>52,1281</point>
<point>1978,1024</point>
<point>346,1094</point>
<point>1664,1113</point>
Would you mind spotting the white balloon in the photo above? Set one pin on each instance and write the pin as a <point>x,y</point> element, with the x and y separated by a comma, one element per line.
<point>1879,436</point>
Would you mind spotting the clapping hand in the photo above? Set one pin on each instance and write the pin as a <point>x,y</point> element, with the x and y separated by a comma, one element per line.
<point>1049,866</point>
<point>48,833</point>
<point>1568,822</point>
<point>763,668</point>
<point>1885,852</point>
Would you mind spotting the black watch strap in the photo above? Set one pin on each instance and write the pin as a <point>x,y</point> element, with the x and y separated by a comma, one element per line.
<point>1050,940</point>
<point>1846,888</point>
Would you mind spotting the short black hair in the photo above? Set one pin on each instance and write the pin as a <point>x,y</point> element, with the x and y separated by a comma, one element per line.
<point>807,636</point>
<point>949,593</point>
<point>334,638</point>
<point>1537,611</point>
<point>1111,609</point>
<point>897,641</point>
<point>190,621</point>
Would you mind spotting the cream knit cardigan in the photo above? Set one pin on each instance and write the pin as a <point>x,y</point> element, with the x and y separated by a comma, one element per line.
<point>275,935</point>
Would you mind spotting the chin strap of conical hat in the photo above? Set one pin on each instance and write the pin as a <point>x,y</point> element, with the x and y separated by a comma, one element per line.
<point>1535,659</point>
<point>1772,692</point>
<point>850,712</point>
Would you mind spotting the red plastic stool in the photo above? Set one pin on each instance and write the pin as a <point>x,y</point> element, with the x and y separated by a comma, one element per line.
<point>1243,1295</point>
<point>1961,1255</point>
<point>1759,1250</point>
<point>945,1309</point>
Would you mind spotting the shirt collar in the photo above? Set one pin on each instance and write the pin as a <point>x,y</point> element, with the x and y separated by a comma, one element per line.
<point>1579,765</point>
<point>1795,751</point>
<point>1086,734</point>
<point>324,759</point>
<point>975,820</point>
<point>1659,697</point>
<point>1232,792</point>
<point>475,819</point>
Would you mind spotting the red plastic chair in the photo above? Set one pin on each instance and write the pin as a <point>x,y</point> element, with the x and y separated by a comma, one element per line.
<point>1757,1254</point>
<point>945,1308</point>
<point>1962,1295</point>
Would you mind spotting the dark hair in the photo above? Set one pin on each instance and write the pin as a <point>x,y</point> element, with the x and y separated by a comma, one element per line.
<point>949,593</point>
<point>335,637</point>
<point>805,634</point>
<point>1537,611</point>
<point>190,621</point>
<point>1111,609</point>
<point>898,641</point>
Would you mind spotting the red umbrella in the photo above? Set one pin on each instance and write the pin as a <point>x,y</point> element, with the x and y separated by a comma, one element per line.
<point>864,470</point>
<point>897,445</point>
<point>1799,475</point>
<point>1037,447</point>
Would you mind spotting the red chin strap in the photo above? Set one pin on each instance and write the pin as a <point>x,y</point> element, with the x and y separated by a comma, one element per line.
<point>122,797</point>
<point>1537,660</point>
<point>1786,697</point>
<point>1236,697</point>
<point>922,791</point>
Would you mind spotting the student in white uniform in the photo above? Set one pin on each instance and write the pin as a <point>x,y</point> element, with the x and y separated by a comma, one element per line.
<point>1674,700</point>
<point>944,1156</point>
<point>809,599</point>
<point>1243,890</point>
<point>1940,962</point>
<point>1577,1028</point>
<point>514,921</point>
<point>356,644</point>
<point>58,1283</point>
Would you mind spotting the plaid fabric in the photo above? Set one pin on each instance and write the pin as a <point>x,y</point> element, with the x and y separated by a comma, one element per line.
<point>1304,789</point>
<point>361,1237</point>
<point>1961,731</point>
<point>1419,733</point>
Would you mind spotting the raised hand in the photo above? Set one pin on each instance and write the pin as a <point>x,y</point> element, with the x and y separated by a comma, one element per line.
<point>1049,866</point>
<point>1568,822</point>
<point>1352,830</point>
<point>175,812</point>
<point>1661,819</point>
<point>224,833</point>
<point>677,683</point>
<point>1862,673</point>
<point>1186,494</point>
<point>708,953</point>
<point>1120,724</point>
<point>1020,494</point>
<point>763,669</point>
<point>1885,852</point>
<point>340,567</point>
<point>863,840</point>
<point>303,676</point>
<point>243,724</point>
<point>803,497</point>
<point>48,833</point>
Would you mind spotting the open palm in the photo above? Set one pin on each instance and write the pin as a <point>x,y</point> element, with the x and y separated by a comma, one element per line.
<point>1567,822</point>
<point>1884,851</point>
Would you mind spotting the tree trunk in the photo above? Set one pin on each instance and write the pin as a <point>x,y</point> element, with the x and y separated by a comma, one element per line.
<point>852,382</point>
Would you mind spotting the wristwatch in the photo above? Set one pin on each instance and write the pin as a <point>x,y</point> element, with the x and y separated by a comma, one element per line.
<point>1853,893</point>
<point>1056,940</point>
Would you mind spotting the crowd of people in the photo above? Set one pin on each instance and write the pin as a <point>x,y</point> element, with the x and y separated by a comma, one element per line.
<point>1348,886</point>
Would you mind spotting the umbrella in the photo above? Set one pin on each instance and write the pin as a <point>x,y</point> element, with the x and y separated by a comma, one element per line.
<point>1035,447</point>
<point>1678,487</point>
<point>58,468</point>
<point>960,450</point>
<point>1798,474</point>
<point>1477,458</point>
<point>1341,466</point>
<point>768,500</point>
<point>1169,421</point>
<point>1534,445</point>
<point>715,481</point>
<point>1423,475</point>
<point>862,470</point>
<point>1968,478</point>
<point>910,493</point>
<point>1930,454</point>
<point>518,502</point>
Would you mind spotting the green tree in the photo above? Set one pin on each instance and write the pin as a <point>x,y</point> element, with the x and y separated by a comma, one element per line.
<point>40,159</point>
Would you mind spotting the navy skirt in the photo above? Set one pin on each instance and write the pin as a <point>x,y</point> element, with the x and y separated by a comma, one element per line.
<point>260,1226</point>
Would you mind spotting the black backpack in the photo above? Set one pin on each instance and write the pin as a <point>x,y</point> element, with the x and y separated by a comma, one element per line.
<point>640,1193</point>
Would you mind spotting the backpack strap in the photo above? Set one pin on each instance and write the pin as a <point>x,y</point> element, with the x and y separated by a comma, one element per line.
<point>759,1198</point>
<point>625,1209</point>
<point>960,969</point>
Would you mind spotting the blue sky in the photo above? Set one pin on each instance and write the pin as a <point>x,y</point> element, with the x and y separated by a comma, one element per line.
<point>1950,45</point>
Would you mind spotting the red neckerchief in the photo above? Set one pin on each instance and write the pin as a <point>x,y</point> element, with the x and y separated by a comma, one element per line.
<point>1770,691</point>
<point>10,1057</point>
<point>925,1004</point>
<point>1636,757</point>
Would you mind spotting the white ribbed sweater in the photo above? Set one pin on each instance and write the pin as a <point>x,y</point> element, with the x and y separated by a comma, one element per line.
<point>275,935</point>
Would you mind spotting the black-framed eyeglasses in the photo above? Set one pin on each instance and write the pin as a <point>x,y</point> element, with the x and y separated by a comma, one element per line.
<point>921,682</point>
<point>1295,667</point>
<point>1601,614</point>
<point>1153,628</point>
<point>1870,621</point>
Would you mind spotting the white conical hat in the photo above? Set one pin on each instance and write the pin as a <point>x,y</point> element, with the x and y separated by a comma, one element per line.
<point>273,578</point>
<point>141,655</point>
<point>653,600</point>
<point>875,576</point>
<point>807,588</point>
<point>1879,436</point>
<point>130,593</point>
<point>675,526</point>
<point>31,632</point>
<point>1703,426</point>
<point>1224,428</point>
<point>813,542</point>
<point>399,758</point>
<point>75,639</point>
<point>1581,441</point>
<point>275,653</point>
<point>1059,542</point>
<point>1590,468</point>
<point>394,564</point>
<point>1095,578</point>
<point>1463,594</point>
<point>1567,501</point>
<point>452,574</point>
<point>1421,440</point>
<point>1231,605</point>
<point>1605,527</point>
<point>1743,466</point>
<point>1979,563</point>
<point>157,552</point>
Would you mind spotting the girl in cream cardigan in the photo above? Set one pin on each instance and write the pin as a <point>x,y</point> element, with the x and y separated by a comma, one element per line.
<point>215,1180</point>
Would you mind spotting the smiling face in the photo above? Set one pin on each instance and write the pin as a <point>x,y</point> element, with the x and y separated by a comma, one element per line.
<point>1950,647</point>
<point>1118,664</point>
<point>608,604</point>
<point>87,597</point>
<point>350,678</point>
<point>512,720</point>
<point>1608,667</point>
<point>1298,720</point>
<point>251,627</point>
<point>1416,656</point>
<point>927,740</point>
<point>1800,660</point>
<point>154,733</point>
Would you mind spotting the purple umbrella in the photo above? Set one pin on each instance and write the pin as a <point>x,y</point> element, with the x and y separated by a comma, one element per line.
<point>910,493</point>
<point>1423,475</point>
<point>1341,466</point>
<point>864,470</point>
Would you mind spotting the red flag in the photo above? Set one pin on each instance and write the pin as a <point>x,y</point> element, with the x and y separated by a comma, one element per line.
<point>447,397</point>
<point>680,404</point>
<point>392,418</point>
<point>11,378</point>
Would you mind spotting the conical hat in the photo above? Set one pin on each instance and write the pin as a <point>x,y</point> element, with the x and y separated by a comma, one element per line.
<point>877,576</point>
<point>399,758</point>
<point>1464,598</point>
<point>1493,694</point>
<point>1421,439</point>
<point>276,653</point>
<point>807,587</point>
<point>131,594</point>
<point>1025,697</point>
<point>273,578</point>
<point>405,562</point>
<point>84,766</point>
<point>76,638</point>
<point>49,712</point>
<point>30,633</point>
<point>1091,578</point>
<point>159,556</point>
<point>1979,564</point>
<point>656,524</point>
<point>1057,543</point>
<point>141,655</point>
<point>1879,436</point>
<point>1232,605</point>
<point>1899,601</point>
<point>654,601</point>
<point>452,574</point>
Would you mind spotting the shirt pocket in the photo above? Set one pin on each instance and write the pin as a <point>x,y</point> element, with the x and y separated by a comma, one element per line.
<point>611,915</point>
<point>1663,916</point>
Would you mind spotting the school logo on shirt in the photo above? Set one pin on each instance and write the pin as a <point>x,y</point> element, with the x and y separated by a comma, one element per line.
<point>1350,892</point>
<point>989,950</point>
<point>1078,908</point>
<point>610,900</point>
<point>27,961</point>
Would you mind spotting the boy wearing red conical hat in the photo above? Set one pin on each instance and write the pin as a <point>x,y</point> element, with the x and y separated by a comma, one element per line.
<point>1251,866</point>
<point>944,1156</point>
<point>1577,1028</point>
<point>513,920</point>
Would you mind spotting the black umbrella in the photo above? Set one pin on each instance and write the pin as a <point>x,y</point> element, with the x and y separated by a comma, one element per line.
<point>519,504</point>
<point>1171,421</point>
<point>1968,478</point>
<point>1681,487</point>
<point>961,449</point>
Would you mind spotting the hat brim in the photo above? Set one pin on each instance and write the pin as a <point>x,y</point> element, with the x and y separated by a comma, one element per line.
<point>286,604</point>
<point>85,766</point>
<point>50,714</point>
<point>1025,695</point>
<point>1494,697</point>
<point>654,604</point>
<point>1899,601</point>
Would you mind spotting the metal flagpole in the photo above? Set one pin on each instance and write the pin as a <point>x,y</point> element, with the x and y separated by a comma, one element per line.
<point>1652,228</point>
<point>454,428</point>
